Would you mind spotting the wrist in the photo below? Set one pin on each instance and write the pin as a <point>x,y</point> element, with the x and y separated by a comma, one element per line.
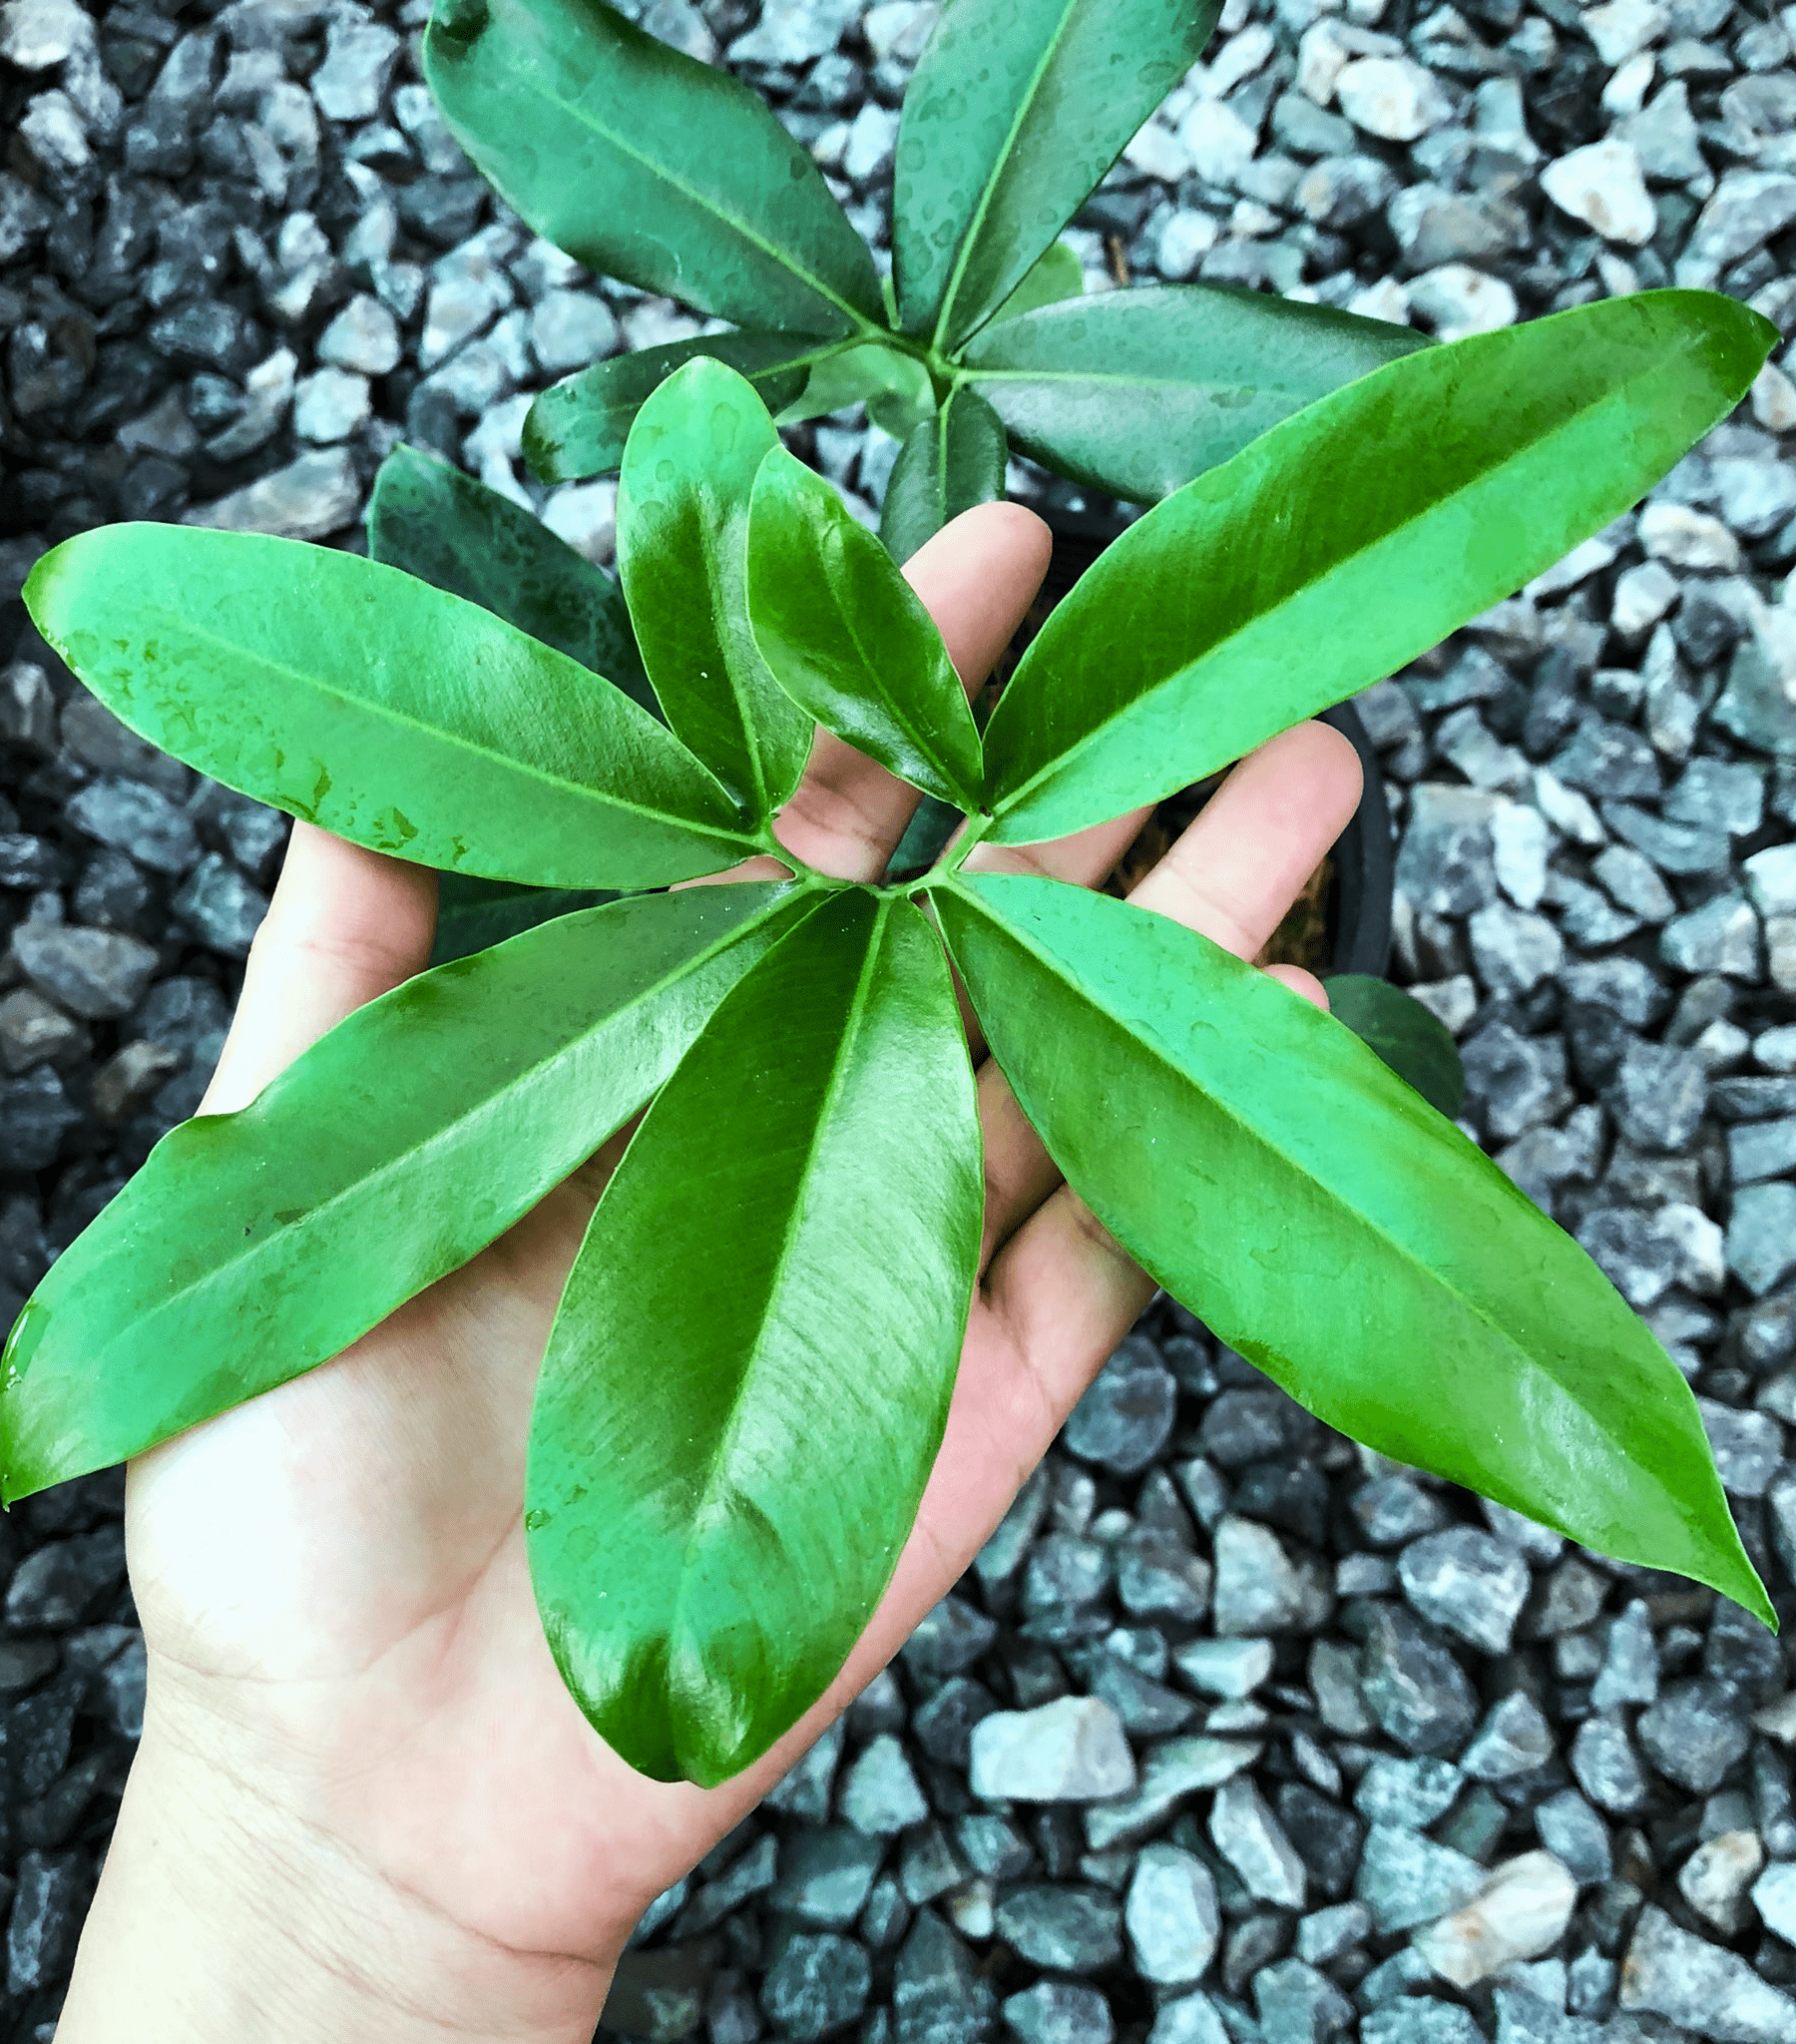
<point>224,1914</point>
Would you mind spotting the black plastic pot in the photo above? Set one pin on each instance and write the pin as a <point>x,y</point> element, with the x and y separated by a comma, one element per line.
<point>1357,913</point>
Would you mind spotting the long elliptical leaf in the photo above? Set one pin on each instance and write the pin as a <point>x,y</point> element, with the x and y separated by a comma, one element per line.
<point>578,426</point>
<point>749,1375</point>
<point>379,708</point>
<point>645,165</point>
<point>1283,1184</point>
<point>1014,112</point>
<point>1137,391</point>
<point>1346,541</point>
<point>849,639</point>
<point>682,541</point>
<point>253,1246</point>
<point>947,464</point>
<point>433,521</point>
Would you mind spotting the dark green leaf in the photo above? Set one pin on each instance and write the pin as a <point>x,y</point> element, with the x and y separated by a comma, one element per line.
<point>1059,274</point>
<point>473,914</point>
<point>1346,541</point>
<point>893,385</point>
<point>253,1246</point>
<point>432,521</point>
<point>1016,111</point>
<point>378,707</point>
<point>1287,1187</point>
<point>578,426</point>
<point>849,638</point>
<point>925,838</point>
<point>947,466</point>
<point>683,535</point>
<point>749,1377</point>
<point>645,165</point>
<point>1416,1044</point>
<point>1136,391</point>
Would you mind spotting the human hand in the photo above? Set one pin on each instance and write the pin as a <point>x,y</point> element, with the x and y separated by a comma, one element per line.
<point>365,1805</point>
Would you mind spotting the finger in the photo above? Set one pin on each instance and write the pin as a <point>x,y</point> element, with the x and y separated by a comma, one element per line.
<point>1233,876</point>
<point>345,926</point>
<point>976,577</point>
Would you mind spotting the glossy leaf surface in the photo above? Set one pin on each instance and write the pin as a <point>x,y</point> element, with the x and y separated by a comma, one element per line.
<point>1346,541</point>
<point>1417,1045</point>
<point>947,466</point>
<point>749,1377</point>
<point>849,638</point>
<point>433,521</point>
<point>645,165</point>
<point>472,913</point>
<point>1014,112</point>
<point>1058,274</point>
<point>682,536</point>
<point>578,426</point>
<point>1137,391</point>
<point>1285,1185</point>
<point>253,1246</point>
<point>893,385</point>
<point>378,707</point>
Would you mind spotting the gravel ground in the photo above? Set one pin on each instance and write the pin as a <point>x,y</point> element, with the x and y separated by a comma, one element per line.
<point>1233,1733</point>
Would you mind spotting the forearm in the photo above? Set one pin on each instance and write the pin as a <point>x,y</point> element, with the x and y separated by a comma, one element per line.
<point>221,1919</point>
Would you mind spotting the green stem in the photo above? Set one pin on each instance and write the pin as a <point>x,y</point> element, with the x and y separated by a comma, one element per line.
<point>955,856</point>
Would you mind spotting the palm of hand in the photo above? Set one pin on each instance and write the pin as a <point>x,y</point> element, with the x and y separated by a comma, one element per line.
<point>332,1578</point>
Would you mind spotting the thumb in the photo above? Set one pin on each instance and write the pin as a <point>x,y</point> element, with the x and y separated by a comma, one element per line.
<point>345,927</point>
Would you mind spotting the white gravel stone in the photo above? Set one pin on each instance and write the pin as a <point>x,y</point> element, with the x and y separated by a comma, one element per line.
<point>364,336</point>
<point>328,406</point>
<point>1392,96</point>
<point>1772,879</point>
<point>586,516</point>
<point>1070,1750</point>
<point>1774,401</point>
<point>1714,1992</point>
<point>308,498</point>
<point>1218,142</point>
<point>1522,1913</point>
<point>1715,1877</point>
<point>1602,185</point>
<point>1519,846</point>
<point>1458,301</point>
<point>38,34</point>
<point>1644,595</point>
<point>1623,26</point>
<point>1687,538</point>
<point>1186,239</point>
<point>1626,93</point>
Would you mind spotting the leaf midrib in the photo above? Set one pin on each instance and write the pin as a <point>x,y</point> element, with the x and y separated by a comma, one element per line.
<point>489,1103</point>
<point>1000,166</point>
<point>1165,1059</point>
<point>456,742</point>
<point>721,1456</point>
<point>784,259</point>
<point>1064,761</point>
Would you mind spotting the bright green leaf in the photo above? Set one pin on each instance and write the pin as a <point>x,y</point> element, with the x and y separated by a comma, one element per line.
<point>849,638</point>
<point>645,165</point>
<point>1016,111</point>
<point>1417,1045</point>
<point>473,914</point>
<point>749,1377</point>
<point>947,466</point>
<point>892,384</point>
<point>1260,1163</point>
<point>378,707</point>
<point>432,521</point>
<point>682,534</point>
<point>578,426</point>
<point>1059,274</point>
<point>1134,392</point>
<point>1349,539</point>
<point>253,1246</point>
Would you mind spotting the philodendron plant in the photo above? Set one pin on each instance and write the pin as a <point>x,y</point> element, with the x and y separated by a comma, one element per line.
<point>749,1372</point>
<point>650,167</point>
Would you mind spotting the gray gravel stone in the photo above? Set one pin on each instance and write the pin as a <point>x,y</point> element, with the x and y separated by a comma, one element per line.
<point>1660,1095</point>
<point>1416,1690</point>
<point>1606,1766</point>
<point>1192,2020</point>
<point>1669,1972</point>
<point>1694,1733</point>
<point>826,1874</point>
<point>1068,1928</point>
<point>1515,1738</point>
<point>1467,1582</point>
<point>880,1794</point>
<point>1406,1880</point>
<point>1576,1836</point>
<point>1257,1588</point>
<point>1057,2012</point>
<point>96,974</point>
<point>1409,1795</point>
<point>1629,1672</point>
<point>1125,1418</point>
<point>818,1986</point>
<point>1249,1838</point>
<point>48,1905</point>
<point>1171,1772</point>
<point>1171,1915</point>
